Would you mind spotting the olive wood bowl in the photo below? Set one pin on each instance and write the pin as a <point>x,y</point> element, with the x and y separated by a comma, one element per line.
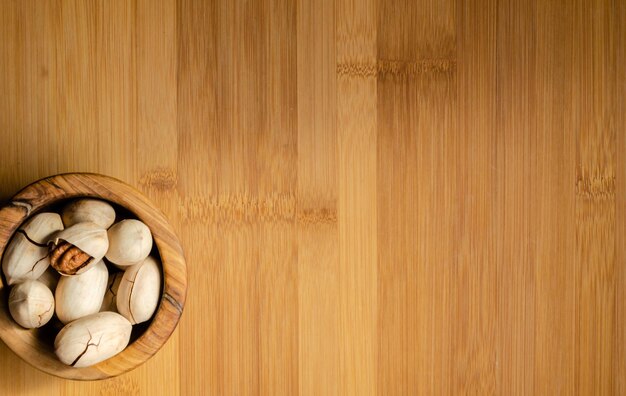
<point>36,346</point>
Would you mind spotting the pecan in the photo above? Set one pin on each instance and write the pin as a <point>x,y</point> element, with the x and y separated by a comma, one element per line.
<point>87,244</point>
<point>67,258</point>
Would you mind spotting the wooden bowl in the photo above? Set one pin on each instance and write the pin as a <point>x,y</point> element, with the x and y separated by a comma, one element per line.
<point>36,346</point>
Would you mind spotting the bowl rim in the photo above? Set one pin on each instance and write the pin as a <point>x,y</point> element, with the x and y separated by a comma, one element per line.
<point>47,191</point>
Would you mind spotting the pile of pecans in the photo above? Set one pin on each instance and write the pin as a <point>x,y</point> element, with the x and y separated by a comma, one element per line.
<point>95,275</point>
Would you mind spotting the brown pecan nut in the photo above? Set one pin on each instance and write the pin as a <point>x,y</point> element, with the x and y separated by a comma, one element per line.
<point>67,258</point>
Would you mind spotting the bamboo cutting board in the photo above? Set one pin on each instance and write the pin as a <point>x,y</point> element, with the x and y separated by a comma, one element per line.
<point>374,197</point>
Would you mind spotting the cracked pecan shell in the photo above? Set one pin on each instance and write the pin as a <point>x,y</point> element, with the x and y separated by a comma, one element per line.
<point>77,248</point>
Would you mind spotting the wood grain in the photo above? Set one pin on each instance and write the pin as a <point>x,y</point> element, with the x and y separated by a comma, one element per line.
<point>356,175</point>
<point>317,201</point>
<point>374,197</point>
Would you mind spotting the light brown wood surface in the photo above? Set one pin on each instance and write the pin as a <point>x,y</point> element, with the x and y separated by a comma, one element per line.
<point>374,196</point>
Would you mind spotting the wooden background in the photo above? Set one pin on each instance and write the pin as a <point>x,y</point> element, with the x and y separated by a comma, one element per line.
<point>374,196</point>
